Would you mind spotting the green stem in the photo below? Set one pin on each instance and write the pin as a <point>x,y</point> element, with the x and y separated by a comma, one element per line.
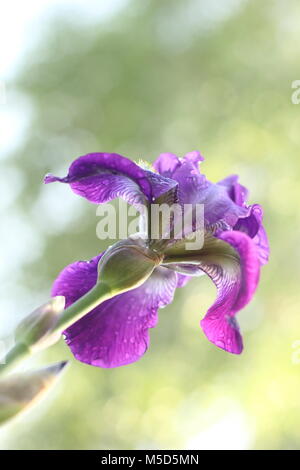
<point>15,355</point>
<point>70,315</point>
<point>84,305</point>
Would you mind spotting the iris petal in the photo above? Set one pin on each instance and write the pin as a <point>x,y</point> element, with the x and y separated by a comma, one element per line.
<point>231,261</point>
<point>236,277</point>
<point>252,225</point>
<point>236,191</point>
<point>101,177</point>
<point>115,333</point>
<point>166,164</point>
<point>194,188</point>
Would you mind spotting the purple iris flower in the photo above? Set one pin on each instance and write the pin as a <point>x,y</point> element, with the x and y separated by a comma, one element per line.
<point>116,332</point>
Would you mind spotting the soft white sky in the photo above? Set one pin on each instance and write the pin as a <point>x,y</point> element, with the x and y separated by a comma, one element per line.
<point>21,21</point>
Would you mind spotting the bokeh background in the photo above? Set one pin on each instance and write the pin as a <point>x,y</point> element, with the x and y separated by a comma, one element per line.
<point>139,78</point>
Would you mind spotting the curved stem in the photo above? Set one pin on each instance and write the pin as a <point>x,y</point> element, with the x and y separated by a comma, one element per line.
<point>84,305</point>
<point>70,315</point>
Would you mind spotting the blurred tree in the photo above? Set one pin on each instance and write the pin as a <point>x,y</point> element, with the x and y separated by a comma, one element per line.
<point>165,76</point>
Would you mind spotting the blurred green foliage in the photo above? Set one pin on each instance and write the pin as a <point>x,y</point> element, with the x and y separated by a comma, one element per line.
<point>165,76</point>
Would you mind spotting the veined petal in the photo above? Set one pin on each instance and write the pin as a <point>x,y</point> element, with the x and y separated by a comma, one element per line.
<point>194,157</point>
<point>76,279</point>
<point>166,164</point>
<point>182,280</point>
<point>252,223</point>
<point>101,177</point>
<point>231,261</point>
<point>115,333</point>
<point>236,275</point>
<point>236,191</point>
<point>194,188</point>
<point>160,184</point>
<point>263,247</point>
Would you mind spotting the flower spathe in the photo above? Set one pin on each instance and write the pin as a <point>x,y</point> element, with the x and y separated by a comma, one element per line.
<point>117,332</point>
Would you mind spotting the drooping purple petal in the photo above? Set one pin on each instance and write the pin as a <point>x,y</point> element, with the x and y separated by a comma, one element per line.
<point>101,177</point>
<point>115,333</point>
<point>263,247</point>
<point>236,278</point>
